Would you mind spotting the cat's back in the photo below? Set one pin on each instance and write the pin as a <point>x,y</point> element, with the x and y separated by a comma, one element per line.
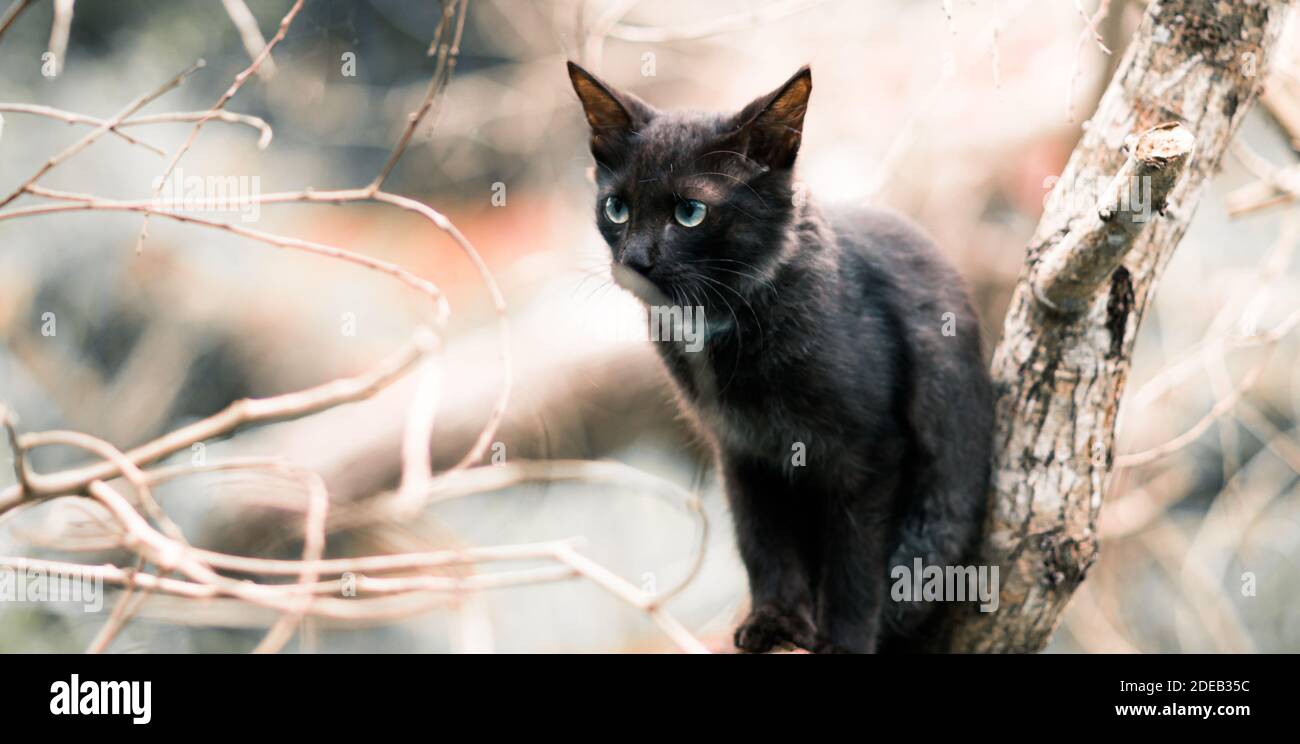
<point>889,257</point>
<point>887,247</point>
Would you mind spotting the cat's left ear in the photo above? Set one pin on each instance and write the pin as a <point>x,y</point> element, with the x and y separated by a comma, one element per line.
<point>771,127</point>
<point>614,116</point>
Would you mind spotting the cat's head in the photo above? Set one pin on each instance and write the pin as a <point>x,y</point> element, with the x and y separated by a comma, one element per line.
<point>689,201</point>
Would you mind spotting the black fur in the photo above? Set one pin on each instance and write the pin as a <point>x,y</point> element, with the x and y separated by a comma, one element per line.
<point>826,331</point>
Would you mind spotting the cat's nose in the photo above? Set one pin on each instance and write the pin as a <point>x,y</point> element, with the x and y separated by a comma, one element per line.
<point>638,255</point>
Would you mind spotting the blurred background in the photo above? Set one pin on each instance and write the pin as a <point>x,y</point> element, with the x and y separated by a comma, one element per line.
<point>958,114</point>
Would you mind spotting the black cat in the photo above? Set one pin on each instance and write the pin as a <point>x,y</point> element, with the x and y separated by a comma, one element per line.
<point>840,378</point>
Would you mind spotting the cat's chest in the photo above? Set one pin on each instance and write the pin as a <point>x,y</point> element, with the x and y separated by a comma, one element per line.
<point>746,430</point>
<point>736,400</point>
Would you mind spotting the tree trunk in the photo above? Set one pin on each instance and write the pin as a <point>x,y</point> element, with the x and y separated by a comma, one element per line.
<point>1187,80</point>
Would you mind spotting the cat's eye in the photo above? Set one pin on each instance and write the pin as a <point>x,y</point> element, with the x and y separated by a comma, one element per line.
<point>690,212</point>
<point>616,210</point>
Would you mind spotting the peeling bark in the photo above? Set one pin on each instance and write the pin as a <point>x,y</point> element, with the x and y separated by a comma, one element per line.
<point>1064,356</point>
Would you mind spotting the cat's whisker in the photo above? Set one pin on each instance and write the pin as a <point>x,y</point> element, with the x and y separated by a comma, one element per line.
<point>762,338</point>
<point>587,276</point>
<point>741,155</point>
<point>754,275</point>
<point>732,203</point>
<point>740,342</point>
<point>746,264</point>
<point>592,294</point>
<point>758,280</point>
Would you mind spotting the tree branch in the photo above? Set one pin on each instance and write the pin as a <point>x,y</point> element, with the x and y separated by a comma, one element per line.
<point>1068,338</point>
<point>1071,272</point>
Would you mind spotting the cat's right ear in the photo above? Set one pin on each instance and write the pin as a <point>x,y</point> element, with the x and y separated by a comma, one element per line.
<point>770,129</point>
<point>614,116</point>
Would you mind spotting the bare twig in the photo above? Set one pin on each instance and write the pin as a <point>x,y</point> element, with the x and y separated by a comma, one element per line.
<point>263,129</point>
<point>73,118</point>
<point>230,92</point>
<point>59,31</point>
<point>86,202</point>
<point>1221,408</point>
<point>313,548</point>
<point>443,68</point>
<point>250,35</point>
<point>128,469</point>
<point>15,9</point>
<point>86,141</point>
<point>1089,30</point>
<point>240,413</point>
<point>124,523</point>
<point>1275,187</point>
<point>20,465</point>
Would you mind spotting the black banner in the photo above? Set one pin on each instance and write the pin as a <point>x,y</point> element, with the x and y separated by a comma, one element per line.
<point>1039,695</point>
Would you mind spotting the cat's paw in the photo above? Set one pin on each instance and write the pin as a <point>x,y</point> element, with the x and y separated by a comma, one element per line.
<point>770,627</point>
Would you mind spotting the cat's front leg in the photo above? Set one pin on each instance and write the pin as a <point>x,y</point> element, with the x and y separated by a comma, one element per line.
<point>851,590</point>
<point>774,532</point>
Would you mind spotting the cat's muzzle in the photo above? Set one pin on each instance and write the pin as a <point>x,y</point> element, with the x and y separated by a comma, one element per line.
<point>639,285</point>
